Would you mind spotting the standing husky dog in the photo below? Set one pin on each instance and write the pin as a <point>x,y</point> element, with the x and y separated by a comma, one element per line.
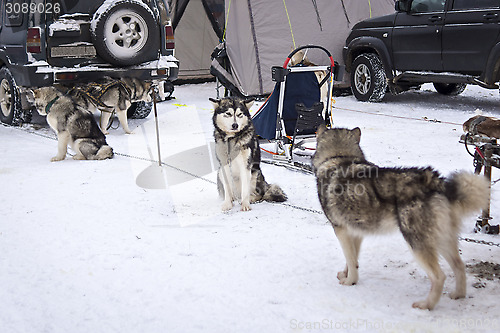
<point>238,152</point>
<point>72,125</point>
<point>111,96</point>
<point>360,198</point>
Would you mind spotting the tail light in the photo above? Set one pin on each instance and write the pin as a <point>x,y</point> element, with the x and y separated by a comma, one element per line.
<point>169,37</point>
<point>66,76</point>
<point>33,41</point>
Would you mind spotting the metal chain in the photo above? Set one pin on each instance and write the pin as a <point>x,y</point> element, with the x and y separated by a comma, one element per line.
<point>167,165</point>
<point>477,241</point>
<point>301,208</point>
<point>314,211</point>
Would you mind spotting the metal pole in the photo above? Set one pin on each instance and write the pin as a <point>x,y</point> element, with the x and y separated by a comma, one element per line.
<point>157,129</point>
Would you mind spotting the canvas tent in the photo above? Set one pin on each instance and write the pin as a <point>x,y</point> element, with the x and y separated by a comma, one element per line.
<point>260,34</point>
<point>198,28</point>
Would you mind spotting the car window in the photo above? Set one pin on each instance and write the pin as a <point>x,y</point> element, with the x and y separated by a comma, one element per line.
<point>467,4</point>
<point>425,6</point>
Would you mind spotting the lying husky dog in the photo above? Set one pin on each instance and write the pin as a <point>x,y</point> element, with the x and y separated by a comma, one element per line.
<point>360,198</point>
<point>111,96</point>
<point>73,126</point>
<point>238,152</point>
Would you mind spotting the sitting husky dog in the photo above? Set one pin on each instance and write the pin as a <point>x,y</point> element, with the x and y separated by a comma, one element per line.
<point>111,96</point>
<point>238,152</point>
<point>360,198</point>
<point>72,125</point>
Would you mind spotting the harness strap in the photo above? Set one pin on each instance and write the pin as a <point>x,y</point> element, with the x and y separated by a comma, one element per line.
<point>95,91</point>
<point>49,105</point>
<point>475,123</point>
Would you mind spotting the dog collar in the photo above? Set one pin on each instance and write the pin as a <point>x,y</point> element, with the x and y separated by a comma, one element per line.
<point>49,105</point>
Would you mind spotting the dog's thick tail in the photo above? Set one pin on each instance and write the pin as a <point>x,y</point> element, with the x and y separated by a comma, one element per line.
<point>274,193</point>
<point>467,192</point>
<point>104,152</point>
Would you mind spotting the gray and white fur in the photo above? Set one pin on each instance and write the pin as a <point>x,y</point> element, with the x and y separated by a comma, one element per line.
<point>74,126</point>
<point>360,198</point>
<point>238,152</point>
<point>115,98</point>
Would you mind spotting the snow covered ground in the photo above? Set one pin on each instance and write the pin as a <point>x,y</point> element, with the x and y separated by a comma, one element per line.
<point>88,246</point>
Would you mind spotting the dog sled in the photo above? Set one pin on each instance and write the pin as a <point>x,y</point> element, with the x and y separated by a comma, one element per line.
<point>483,133</point>
<point>300,102</point>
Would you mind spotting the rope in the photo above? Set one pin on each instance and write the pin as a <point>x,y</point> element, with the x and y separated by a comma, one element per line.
<point>401,117</point>
<point>225,23</point>
<point>370,6</point>
<point>290,24</point>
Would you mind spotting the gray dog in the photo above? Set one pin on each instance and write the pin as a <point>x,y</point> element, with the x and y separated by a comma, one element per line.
<point>238,152</point>
<point>360,198</point>
<point>73,125</point>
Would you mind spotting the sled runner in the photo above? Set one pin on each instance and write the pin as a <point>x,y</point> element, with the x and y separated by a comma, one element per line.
<point>300,102</point>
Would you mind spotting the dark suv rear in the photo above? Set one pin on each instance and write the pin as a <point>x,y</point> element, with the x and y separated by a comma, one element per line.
<point>450,43</point>
<point>44,42</point>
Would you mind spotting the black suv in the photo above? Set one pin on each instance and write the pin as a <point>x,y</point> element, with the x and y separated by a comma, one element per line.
<point>450,43</point>
<point>46,42</point>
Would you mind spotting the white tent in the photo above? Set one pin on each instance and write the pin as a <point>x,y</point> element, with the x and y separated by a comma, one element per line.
<point>260,34</point>
<point>198,28</point>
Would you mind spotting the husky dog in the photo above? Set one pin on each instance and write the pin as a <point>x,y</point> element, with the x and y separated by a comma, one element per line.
<point>111,96</point>
<point>73,125</point>
<point>238,152</point>
<point>360,198</point>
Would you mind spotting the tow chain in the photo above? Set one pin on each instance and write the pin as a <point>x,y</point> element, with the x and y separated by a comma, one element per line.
<point>478,241</point>
<point>314,211</point>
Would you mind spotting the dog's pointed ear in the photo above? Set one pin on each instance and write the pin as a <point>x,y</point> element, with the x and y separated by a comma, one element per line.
<point>215,102</point>
<point>248,103</point>
<point>357,133</point>
<point>321,130</point>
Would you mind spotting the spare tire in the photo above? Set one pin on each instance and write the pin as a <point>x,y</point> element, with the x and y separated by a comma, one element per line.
<point>125,33</point>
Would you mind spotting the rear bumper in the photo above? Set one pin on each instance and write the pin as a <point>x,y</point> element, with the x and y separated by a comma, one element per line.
<point>40,74</point>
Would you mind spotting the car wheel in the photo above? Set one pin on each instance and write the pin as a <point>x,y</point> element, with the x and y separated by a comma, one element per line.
<point>451,89</point>
<point>368,79</point>
<point>125,33</point>
<point>139,110</point>
<point>10,106</point>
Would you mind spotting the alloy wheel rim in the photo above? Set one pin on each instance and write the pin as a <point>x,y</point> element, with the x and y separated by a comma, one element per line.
<point>126,33</point>
<point>5,97</point>
<point>362,79</point>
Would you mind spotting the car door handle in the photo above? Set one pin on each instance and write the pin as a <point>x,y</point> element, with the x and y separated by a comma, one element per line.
<point>435,18</point>
<point>490,16</point>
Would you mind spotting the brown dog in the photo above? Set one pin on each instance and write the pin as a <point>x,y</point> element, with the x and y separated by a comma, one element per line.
<point>488,126</point>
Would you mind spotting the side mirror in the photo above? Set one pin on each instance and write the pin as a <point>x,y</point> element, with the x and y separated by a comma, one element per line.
<point>402,5</point>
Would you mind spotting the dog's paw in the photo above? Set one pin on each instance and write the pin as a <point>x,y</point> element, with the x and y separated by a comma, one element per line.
<point>457,295</point>
<point>348,281</point>
<point>423,305</point>
<point>245,207</point>
<point>105,132</point>
<point>57,158</point>
<point>226,206</point>
<point>342,275</point>
<point>129,132</point>
<point>78,157</point>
